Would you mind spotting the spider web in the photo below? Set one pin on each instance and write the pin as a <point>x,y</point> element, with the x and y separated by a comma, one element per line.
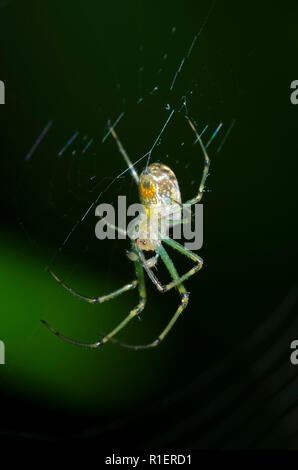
<point>79,166</point>
<point>84,167</point>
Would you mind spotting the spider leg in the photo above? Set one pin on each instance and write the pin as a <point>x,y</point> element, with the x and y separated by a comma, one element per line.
<point>151,262</point>
<point>177,282</point>
<point>182,306</point>
<point>95,300</point>
<point>199,196</point>
<point>68,340</point>
<point>125,156</point>
<point>157,341</point>
<point>164,255</point>
<point>133,313</point>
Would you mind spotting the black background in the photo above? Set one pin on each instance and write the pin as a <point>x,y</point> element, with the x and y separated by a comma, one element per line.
<point>229,383</point>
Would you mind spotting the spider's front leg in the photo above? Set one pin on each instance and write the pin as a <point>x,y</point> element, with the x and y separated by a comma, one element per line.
<point>199,196</point>
<point>125,156</point>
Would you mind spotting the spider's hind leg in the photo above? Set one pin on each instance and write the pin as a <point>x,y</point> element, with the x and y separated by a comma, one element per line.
<point>184,296</point>
<point>95,300</point>
<point>177,280</point>
<point>133,313</point>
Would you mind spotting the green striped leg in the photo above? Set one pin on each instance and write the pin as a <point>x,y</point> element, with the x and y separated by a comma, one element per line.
<point>125,156</point>
<point>133,313</point>
<point>95,300</point>
<point>184,302</point>
<point>206,166</point>
<point>175,283</point>
<point>101,299</point>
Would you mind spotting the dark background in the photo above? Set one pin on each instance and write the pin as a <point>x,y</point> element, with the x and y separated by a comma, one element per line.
<point>223,378</point>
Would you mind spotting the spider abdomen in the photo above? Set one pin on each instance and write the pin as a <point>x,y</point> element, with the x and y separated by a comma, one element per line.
<point>159,185</point>
<point>161,198</point>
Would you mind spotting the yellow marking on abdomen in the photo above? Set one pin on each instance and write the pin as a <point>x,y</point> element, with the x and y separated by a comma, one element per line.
<point>148,193</point>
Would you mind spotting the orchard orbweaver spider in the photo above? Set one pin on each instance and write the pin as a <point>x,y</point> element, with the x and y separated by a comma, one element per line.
<point>158,188</point>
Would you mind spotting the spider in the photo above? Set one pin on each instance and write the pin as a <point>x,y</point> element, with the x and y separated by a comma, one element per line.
<point>158,189</point>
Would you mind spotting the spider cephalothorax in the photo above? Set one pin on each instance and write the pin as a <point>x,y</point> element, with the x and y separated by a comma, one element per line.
<point>161,207</point>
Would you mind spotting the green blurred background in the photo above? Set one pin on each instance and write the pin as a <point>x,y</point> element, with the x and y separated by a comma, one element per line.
<point>81,64</point>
